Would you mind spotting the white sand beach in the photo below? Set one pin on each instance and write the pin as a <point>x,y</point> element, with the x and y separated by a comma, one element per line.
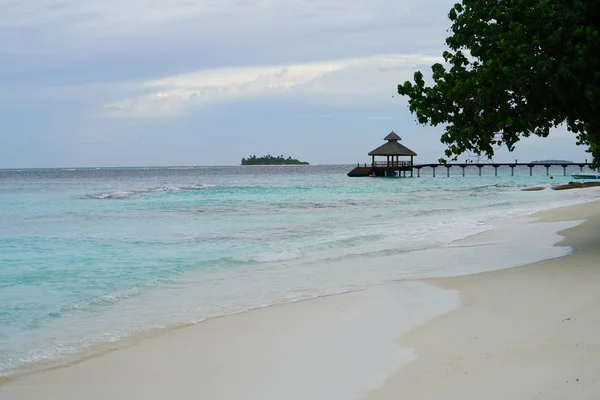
<point>522,333</point>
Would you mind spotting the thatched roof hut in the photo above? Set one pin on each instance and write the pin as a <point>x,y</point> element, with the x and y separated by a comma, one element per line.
<point>392,151</point>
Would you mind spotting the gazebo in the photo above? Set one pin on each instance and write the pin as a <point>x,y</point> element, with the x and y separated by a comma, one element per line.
<point>392,150</point>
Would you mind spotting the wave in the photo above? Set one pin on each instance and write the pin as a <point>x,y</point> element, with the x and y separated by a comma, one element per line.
<point>517,185</point>
<point>125,194</point>
<point>102,300</point>
<point>113,195</point>
<point>276,256</point>
<point>350,241</point>
<point>111,298</point>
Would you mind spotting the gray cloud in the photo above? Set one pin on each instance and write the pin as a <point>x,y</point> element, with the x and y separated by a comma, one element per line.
<point>191,35</point>
<point>63,61</point>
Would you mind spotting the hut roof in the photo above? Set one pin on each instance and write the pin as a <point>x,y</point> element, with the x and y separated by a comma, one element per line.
<point>392,147</point>
<point>392,136</point>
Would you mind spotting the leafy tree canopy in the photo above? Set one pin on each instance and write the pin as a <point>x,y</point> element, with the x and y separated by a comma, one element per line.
<point>514,68</point>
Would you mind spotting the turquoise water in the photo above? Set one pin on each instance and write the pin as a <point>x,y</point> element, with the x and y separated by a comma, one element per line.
<point>90,256</point>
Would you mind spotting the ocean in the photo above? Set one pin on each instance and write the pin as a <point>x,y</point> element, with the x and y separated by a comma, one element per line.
<point>92,256</point>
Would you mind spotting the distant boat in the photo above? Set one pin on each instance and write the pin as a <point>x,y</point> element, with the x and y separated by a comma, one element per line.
<point>585,176</point>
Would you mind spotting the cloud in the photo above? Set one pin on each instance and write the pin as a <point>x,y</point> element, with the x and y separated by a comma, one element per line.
<point>337,82</point>
<point>117,17</point>
<point>188,75</point>
<point>192,34</point>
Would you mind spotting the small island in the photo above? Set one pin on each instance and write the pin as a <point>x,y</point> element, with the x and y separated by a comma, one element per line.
<point>270,160</point>
<point>552,162</point>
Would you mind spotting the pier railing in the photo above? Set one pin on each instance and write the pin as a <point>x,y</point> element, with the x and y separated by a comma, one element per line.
<point>392,164</point>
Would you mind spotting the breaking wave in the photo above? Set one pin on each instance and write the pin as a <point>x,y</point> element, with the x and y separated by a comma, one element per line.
<point>125,194</point>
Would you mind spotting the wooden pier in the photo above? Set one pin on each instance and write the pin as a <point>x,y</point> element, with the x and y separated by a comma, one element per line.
<point>379,169</point>
<point>393,166</point>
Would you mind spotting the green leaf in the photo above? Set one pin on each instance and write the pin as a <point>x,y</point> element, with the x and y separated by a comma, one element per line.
<point>514,69</point>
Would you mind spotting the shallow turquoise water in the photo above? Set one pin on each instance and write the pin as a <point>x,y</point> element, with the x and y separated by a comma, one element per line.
<point>92,255</point>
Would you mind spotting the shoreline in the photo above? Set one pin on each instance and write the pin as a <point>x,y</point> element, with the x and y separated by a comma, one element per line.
<point>101,348</point>
<point>524,332</point>
<point>266,352</point>
<point>277,310</point>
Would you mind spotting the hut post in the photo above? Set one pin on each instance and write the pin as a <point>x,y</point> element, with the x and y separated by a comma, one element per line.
<point>373,162</point>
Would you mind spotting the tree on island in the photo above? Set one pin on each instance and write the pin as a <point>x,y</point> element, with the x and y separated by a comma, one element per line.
<point>514,68</point>
<point>552,162</point>
<point>270,160</point>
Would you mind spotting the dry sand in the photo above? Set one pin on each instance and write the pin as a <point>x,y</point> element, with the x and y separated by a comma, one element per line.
<point>524,333</point>
<point>531,332</point>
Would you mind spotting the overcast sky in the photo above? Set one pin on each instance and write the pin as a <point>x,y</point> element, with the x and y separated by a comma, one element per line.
<point>207,82</point>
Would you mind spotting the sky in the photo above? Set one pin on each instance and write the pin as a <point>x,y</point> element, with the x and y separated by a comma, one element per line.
<point>206,82</point>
